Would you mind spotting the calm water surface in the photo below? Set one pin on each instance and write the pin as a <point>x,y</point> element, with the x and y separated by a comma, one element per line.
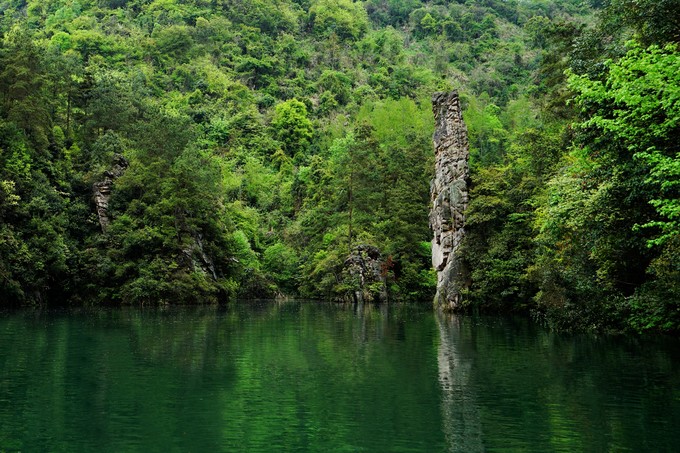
<point>320,377</point>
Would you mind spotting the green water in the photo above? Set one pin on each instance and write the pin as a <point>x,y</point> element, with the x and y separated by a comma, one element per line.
<point>321,377</point>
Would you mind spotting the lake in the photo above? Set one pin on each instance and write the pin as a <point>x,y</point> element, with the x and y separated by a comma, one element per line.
<point>304,376</point>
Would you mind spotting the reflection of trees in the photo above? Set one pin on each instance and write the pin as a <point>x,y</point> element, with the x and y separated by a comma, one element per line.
<point>336,378</point>
<point>460,412</point>
<point>313,377</point>
<point>300,376</point>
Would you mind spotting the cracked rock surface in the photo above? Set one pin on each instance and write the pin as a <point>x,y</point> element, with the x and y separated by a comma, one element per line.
<point>449,198</point>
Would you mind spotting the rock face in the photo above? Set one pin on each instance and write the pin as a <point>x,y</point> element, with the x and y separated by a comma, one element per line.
<point>365,274</point>
<point>101,191</point>
<point>449,196</point>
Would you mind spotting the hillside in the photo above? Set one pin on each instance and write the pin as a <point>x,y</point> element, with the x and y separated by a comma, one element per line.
<point>189,151</point>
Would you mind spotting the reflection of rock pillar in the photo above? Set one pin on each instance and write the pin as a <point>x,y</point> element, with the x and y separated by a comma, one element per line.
<point>449,196</point>
<point>460,414</point>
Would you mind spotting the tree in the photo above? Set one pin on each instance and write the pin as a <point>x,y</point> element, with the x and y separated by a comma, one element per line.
<point>609,224</point>
<point>654,21</point>
<point>345,18</point>
<point>292,126</point>
<point>22,79</point>
<point>637,111</point>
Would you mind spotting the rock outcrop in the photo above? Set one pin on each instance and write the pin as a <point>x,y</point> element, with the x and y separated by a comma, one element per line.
<point>449,196</point>
<point>101,191</point>
<point>365,275</point>
<point>199,261</point>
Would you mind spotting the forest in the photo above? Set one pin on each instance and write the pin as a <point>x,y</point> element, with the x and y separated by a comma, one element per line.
<point>197,151</point>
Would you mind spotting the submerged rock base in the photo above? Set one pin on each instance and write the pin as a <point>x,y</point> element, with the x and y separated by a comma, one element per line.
<point>449,196</point>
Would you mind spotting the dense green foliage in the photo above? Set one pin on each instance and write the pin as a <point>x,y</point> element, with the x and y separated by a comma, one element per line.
<point>579,220</point>
<point>264,140</point>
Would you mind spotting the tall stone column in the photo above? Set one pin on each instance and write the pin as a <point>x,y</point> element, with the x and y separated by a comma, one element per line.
<point>449,196</point>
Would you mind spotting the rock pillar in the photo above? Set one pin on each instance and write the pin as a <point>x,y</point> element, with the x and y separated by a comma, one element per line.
<point>449,197</point>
